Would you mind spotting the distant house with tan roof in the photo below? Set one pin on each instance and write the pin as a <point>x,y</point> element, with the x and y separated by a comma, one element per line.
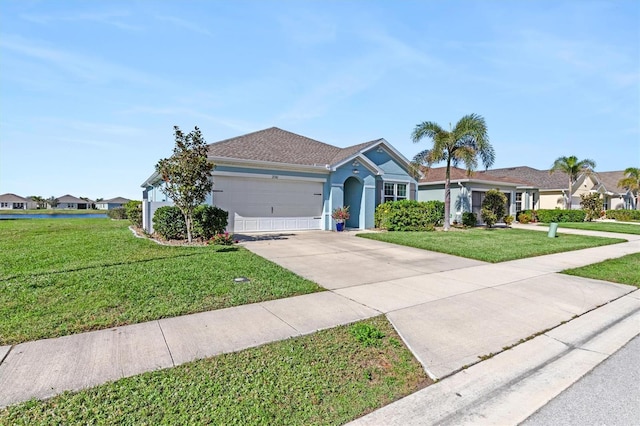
<point>71,202</point>
<point>275,180</point>
<point>13,202</point>
<point>111,203</point>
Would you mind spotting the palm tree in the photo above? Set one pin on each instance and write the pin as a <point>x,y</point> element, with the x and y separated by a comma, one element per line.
<point>631,181</point>
<point>467,141</point>
<point>572,167</point>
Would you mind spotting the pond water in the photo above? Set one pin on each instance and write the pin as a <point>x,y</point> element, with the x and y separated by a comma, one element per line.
<point>54,216</point>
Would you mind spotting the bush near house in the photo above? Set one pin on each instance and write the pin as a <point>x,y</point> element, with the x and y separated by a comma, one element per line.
<point>117,213</point>
<point>133,209</point>
<point>623,215</point>
<point>208,221</point>
<point>493,207</point>
<point>557,215</point>
<point>591,205</point>
<point>409,215</point>
<point>469,219</point>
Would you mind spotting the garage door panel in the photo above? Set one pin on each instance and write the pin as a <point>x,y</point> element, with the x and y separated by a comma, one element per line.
<point>269,204</point>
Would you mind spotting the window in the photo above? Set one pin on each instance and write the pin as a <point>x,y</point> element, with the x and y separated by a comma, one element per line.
<point>518,201</point>
<point>3,205</point>
<point>395,191</point>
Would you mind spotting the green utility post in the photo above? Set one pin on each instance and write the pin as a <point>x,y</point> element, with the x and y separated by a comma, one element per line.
<point>553,228</point>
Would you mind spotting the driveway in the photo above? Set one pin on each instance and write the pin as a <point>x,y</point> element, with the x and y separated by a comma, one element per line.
<point>450,311</point>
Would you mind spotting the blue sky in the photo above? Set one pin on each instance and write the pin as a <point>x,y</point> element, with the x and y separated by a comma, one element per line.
<point>90,90</point>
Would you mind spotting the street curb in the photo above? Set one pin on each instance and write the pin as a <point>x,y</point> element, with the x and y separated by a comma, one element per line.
<point>509,387</point>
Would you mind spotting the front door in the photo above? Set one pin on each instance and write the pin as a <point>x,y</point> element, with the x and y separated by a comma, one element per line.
<point>353,198</point>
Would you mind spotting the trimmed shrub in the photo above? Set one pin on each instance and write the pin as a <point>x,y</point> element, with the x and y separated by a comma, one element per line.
<point>508,220</point>
<point>469,219</point>
<point>117,213</point>
<point>557,215</point>
<point>409,215</point>
<point>524,217</point>
<point>591,205</point>
<point>493,207</point>
<point>623,215</point>
<point>133,210</point>
<point>209,221</point>
<point>168,221</point>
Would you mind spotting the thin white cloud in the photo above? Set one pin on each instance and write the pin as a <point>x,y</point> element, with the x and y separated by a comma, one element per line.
<point>360,73</point>
<point>180,111</point>
<point>183,23</point>
<point>115,19</point>
<point>87,68</point>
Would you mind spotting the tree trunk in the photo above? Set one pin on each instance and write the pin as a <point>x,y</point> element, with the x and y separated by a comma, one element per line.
<point>569,201</point>
<point>187,220</point>
<point>447,197</point>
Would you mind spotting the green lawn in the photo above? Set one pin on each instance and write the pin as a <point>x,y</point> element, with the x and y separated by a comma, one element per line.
<point>324,378</point>
<point>491,245</point>
<point>64,276</point>
<point>623,270</point>
<point>622,228</point>
<point>51,211</point>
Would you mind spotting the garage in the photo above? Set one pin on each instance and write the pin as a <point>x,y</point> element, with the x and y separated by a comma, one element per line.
<point>272,203</point>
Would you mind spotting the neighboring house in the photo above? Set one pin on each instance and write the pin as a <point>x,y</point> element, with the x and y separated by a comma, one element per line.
<point>554,188</point>
<point>275,180</point>
<point>468,191</point>
<point>111,203</point>
<point>13,202</point>
<point>71,202</point>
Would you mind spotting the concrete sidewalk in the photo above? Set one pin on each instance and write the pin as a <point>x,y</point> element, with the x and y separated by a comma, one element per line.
<point>449,310</point>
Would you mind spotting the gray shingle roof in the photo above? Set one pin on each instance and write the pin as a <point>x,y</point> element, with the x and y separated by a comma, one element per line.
<point>280,146</point>
<point>437,174</point>
<point>12,198</point>
<point>610,180</point>
<point>71,199</point>
<point>116,200</point>
<point>538,178</point>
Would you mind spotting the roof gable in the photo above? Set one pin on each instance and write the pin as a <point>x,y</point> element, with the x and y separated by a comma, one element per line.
<point>71,199</point>
<point>12,198</point>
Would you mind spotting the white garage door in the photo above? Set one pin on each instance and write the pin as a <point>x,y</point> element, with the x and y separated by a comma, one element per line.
<point>269,204</point>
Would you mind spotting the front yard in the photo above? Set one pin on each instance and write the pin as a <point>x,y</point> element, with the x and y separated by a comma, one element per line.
<point>65,276</point>
<point>324,378</point>
<point>492,245</point>
<point>623,270</point>
<point>622,228</point>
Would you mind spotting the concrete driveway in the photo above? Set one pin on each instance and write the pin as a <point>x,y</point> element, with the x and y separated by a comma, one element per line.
<point>450,311</point>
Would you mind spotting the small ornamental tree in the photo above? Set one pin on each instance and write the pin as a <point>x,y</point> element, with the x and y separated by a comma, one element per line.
<point>494,207</point>
<point>187,174</point>
<point>592,205</point>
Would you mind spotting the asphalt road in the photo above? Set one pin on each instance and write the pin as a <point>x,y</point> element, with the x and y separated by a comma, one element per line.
<point>607,395</point>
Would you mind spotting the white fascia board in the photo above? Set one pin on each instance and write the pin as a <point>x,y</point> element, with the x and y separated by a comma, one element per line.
<point>227,161</point>
<point>268,176</point>
<point>151,180</point>
<point>362,159</point>
<point>394,152</point>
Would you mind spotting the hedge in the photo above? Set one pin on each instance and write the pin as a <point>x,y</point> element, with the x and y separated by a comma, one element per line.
<point>409,215</point>
<point>117,213</point>
<point>208,221</point>
<point>557,215</point>
<point>133,210</point>
<point>623,215</point>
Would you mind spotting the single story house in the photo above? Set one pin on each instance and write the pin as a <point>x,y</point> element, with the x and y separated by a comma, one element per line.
<point>13,202</point>
<point>554,187</point>
<point>71,202</point>
<point>468,191</point>
<point>275,180</point>
<point>111,203</point>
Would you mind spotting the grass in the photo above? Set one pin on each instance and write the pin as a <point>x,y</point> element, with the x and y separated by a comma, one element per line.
<point>51,211</point>
<point>324,378</point>
<point>623,270</point>
<point>60,277</point>
<point>622,228</point>
<point>491,245</point>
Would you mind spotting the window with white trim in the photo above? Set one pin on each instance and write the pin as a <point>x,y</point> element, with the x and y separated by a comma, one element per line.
<point>395,191</point>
